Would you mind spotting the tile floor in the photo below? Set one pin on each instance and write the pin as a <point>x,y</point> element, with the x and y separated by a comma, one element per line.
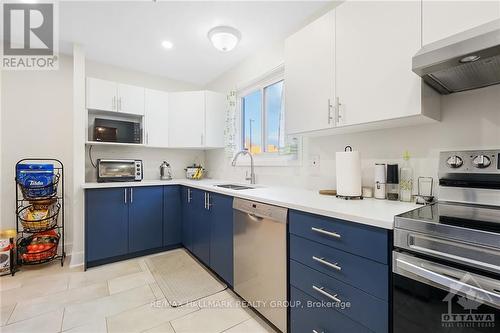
<point>119,297</point>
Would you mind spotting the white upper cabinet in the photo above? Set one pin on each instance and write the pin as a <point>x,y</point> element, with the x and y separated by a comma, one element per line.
<point>156,113</point>
<point>186,119</point>
<point>442,19</point>
<point>130,99</point>
<point>196,119</point>
<point>101,95</point>
<point>375,43</point>
<point>215,119</point>
<point>112,96</point>
<point>309,76</point>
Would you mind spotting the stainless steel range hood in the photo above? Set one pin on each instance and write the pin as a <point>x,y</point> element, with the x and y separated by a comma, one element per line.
<point>465,61</point>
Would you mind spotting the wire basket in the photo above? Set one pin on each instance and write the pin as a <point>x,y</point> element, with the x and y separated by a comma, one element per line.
<point>39,192</point>
<point>43,248</point>
<point>38,225</point>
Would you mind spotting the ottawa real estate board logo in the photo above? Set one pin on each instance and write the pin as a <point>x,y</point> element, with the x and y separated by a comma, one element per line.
<point>469,312</point>
<point>29,36</point>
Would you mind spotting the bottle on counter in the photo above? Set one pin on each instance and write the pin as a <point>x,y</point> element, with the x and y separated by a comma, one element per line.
<point>406,179</point>
<point>392,183</point>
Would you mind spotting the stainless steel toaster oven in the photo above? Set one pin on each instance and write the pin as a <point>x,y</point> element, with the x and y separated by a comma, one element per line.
<point>119,170</point>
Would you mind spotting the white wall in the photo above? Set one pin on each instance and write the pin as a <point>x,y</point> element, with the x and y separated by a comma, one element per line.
<point>469,120</point>
<point>152,157</point>
<point>123,75</point>
<point>36,122</point>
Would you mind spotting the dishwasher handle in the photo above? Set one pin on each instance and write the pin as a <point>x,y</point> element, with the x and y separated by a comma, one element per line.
<point>259,211</point>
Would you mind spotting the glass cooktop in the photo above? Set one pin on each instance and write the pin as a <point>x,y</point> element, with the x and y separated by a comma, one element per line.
<point>466,216</point>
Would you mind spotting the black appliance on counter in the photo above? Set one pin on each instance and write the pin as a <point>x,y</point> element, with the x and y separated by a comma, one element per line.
<point>108,130</point>
<point>119,170</point>
<point>446,258</point>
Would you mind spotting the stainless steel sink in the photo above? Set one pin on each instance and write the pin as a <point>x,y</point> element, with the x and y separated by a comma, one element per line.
<point>234,186</point>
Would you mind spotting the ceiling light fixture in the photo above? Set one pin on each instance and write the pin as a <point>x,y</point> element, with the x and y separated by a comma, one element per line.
<point>167,44</point>
<point>224,38</point>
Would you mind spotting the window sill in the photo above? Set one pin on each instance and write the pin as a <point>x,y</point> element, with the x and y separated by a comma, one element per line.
<point>270,161</point>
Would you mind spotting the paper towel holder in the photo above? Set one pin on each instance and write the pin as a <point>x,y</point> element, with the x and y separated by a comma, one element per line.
<point>349,149</point>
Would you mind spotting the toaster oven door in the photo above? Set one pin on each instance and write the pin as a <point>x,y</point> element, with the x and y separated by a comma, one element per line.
<point>116,170</point>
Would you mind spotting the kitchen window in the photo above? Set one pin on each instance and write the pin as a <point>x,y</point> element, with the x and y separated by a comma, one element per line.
<point>262,114</point>
<point>261,122</point>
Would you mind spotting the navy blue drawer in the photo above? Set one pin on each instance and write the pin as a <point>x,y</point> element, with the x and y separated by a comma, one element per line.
<point>362,273</point>
<point>305,318</point>
<point>365,309</point>
<point>363,240</point>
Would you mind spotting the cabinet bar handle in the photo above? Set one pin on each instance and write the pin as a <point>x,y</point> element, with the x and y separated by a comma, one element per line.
<point>322,291</point>
<point>208,201</point>
<point>329,111</point>
<point>337,111</point>
<point>324,232</point>
<point>188,195</point>
<point>131,195</point>
<point>327,263</point>
<point>113,103</point>
<point>205,200</point>
<point>125,191</point>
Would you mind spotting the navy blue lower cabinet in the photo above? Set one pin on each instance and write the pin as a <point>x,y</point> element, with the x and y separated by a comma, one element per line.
<point>172,224</point>
<point>362,273</point>
<point>362,240</point>
<point>221,239</point>
<point>145,218</point>
<point>367,310</point>
<point>310,315</point>
<point>187,211</point>
<point>106,223</point>
<point>200,232</point>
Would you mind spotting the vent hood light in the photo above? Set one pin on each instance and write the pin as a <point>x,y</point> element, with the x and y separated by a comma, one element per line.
<point>224,38</point>
<point>470,58</point>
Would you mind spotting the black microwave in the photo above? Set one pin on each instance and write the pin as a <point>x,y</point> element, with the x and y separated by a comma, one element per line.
<point>108,130</point>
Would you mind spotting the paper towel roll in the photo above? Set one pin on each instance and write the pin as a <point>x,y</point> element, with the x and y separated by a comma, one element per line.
<point>348,173</point>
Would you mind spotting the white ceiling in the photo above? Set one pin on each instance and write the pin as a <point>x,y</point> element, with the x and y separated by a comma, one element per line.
<point>129,34</point>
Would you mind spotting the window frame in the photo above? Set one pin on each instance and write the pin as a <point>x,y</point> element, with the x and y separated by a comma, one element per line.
<point>274,77</point>
<point>263,159</point>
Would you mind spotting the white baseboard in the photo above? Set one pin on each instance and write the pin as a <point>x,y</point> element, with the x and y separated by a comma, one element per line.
<point>76,259</point>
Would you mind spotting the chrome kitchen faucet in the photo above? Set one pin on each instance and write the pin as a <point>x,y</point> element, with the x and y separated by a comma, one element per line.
<point>252,171</point>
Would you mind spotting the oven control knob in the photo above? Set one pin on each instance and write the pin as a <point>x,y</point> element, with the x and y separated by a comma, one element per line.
<point>454,161</point>
<point>481,161</point>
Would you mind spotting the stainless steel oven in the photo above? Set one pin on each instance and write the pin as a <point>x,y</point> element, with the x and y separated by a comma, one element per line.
<point>119,170</point>
<point>446,258</point>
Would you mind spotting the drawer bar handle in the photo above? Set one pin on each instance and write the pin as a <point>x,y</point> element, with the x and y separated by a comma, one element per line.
<point>324,232</point>
<point>327,263</point>
<point>314,331</point>
<point>327,294</point>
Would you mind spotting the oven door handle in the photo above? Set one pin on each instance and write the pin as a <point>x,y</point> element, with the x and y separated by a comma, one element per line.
<point>412,267</point>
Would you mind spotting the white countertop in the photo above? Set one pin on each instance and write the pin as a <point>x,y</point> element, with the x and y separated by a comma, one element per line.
<point>369,211</point>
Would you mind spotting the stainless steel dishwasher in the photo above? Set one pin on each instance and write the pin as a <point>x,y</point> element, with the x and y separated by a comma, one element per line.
<point>259,241</point>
